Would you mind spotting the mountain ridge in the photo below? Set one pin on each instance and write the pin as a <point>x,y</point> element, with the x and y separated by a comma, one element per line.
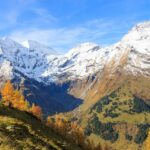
<point>86,58</point>
<point>86,73</point>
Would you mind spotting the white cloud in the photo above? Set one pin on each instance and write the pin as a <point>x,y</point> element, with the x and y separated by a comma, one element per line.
<point>58,38</point>
<point>62,39</point>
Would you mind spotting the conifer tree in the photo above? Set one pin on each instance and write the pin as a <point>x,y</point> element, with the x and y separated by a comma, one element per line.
<point>13,98</point>
<point>36,110</point>
<point>7,93</point>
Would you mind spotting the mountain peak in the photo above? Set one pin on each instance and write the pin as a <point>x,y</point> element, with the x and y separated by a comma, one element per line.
<point>9,41</point>
<point>34,45</point>
<point>140,32</point>
<point>143,25</point>
<point>8,45</point>
<point>25,44</point>
<point>83,47</point>
<point>87,45</point>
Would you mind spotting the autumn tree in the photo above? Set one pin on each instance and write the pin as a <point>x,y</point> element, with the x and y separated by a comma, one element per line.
<point>13,98</point>
<point>19,101</point>
<point>36,110</point>
<point>70,130</point>
<point>23,104</point>
<point>50,122</point>
<point>77,133</point>
<point>73,132</point>
<point>7,93</point>
<point>58,123</point>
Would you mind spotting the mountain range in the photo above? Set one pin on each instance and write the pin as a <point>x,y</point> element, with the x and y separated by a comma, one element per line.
<point>83,75</point>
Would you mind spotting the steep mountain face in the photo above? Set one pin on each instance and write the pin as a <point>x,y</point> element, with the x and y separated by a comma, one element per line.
<point>120,94</point>
<point>29,61</point>
<point>79,63</point>
<point>139,57</point>
<point>129,59</point>
<point>87,72</point>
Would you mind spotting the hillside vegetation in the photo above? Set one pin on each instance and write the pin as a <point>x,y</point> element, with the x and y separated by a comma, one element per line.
<point>22,131</point>
<point>120,118</point>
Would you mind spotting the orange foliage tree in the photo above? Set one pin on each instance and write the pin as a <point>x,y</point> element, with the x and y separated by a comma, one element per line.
<point>13,98</point>
<point>7,93</point>
<point>36,110</point>
<point>78,134</point>
<point>71,131</point>
<point>19,101</point>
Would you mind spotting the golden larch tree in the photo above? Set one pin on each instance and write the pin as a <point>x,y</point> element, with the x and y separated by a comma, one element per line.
<point>23,104</point>
<point>36,110</point>
<point>13,98</point>
<point>16,98</point>
<point>7,93</point>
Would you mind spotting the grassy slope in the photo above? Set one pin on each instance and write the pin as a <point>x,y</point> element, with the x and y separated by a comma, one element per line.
<point>124,111</point>
<point>22,131</point>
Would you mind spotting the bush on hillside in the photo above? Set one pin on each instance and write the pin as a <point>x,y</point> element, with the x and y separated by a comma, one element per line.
<point>142,133</point>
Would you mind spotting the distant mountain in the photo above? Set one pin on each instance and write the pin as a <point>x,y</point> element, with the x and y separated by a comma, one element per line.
<point>29,61</point>
<point>36,46</point>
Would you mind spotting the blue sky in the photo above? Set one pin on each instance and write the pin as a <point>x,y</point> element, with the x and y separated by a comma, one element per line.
<point>62,24</point>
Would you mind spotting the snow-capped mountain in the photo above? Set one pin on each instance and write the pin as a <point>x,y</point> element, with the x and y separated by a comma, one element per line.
<point>38,47</point>
<point>29,61</point>
<point>128,57</point>
<point>39,62</point>
<point>88,58</point>
<point>139,41</point>
<point>80,62</point>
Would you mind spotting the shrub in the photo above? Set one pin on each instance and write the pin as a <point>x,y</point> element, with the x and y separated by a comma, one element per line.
<point>140,106</point>
<point>128,137</point>
<point>142,133</point>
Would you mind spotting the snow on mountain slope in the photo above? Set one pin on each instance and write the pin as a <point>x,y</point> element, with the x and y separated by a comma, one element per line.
<point>30,62</point>
<point>33,45</point>
<point>132,53</point>
<point>139,57</point>
<point>6,71</point>
<point>43,64</point>
<point>81,61</point>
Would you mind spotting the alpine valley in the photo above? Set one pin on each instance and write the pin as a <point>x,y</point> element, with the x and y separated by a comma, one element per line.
<point>105,89</point>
